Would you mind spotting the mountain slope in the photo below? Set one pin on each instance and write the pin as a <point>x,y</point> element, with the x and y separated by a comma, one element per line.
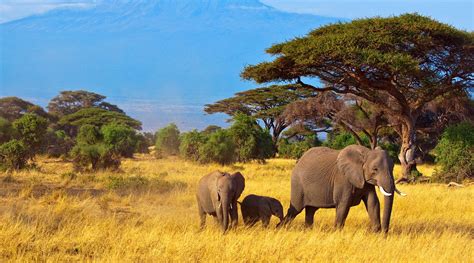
<point>160,60</point>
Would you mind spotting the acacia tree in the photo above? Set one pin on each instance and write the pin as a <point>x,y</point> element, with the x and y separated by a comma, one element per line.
<point>353,114</point>
<point>68,102</point>
<point>97,117</point>
<point>266,104</point>
<point>398,64</point>
<point>12,108</point>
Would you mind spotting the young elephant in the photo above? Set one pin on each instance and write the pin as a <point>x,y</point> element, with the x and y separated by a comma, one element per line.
<point>255,208</point>
<point>217,195</point>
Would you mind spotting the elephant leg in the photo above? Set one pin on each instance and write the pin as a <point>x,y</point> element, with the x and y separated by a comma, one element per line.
<point>309,217</point>
<point>342,210</point>
<point>290,215</point>
<point>219,217</point>
<point>202,216</point>
<point>265,221</point>
<point>372,206</point>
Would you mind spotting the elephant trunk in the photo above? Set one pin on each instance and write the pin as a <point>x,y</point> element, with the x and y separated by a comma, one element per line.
<point>225,214</point>
<point>387,212</point>
<point>388,202</point>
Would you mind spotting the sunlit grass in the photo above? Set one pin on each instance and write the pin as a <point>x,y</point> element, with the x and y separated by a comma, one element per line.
<point>53,214</point>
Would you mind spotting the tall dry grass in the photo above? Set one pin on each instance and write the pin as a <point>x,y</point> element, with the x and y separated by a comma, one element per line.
<point>148,213</point>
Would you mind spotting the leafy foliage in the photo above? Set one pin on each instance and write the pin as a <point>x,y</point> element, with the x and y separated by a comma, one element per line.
<point>91,152</point>
<point>296,149</point>
<point>6,130</point>
<point>57,143</point>
<point>167,140</point>
<point>266,104</point>
<point>218,148</point>
<point>14,154</point>
<point>12,108</point>
<point>455,153</point>
<point>251,141</point>
<point>339,140</point>
<point>121,138</point>
<point>98,117</point>
<point>190,144</point>
<point>31,129</point>
<point>68,102</point>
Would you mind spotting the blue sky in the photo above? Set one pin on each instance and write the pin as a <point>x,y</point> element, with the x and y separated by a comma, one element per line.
<point>459,13</point>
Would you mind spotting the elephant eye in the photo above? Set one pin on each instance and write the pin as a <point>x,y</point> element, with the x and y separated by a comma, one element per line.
<point>375,169</point>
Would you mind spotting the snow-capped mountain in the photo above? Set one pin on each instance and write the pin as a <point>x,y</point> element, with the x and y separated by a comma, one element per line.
<point>160,60</point>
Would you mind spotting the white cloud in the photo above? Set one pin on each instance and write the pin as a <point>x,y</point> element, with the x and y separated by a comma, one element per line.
<point>12,10</point>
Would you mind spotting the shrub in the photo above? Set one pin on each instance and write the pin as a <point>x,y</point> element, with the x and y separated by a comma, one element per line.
<point>340,140</point>
<point>31,129</point>
<point>392,149</point>
<point>455,153</point>
<point>296,149</point>
<point>167,140</point>
<point>142,143</point>
<point>219,148</point>
<point>121,138</point>
<point>94,157</point>
<point>88,134</point>
<point>190,144</point>
<point>251,141</point>
<point>6,130</point>
<point>57,143</point>
<point>91,152</point>
<point>14,154</point>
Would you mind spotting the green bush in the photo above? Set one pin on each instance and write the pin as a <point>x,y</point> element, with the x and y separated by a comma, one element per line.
<point>251,141</point>
<point>31,129</point>
<point>13,154</point>
<point>167,140</point>
<point>190,144</point>
<point>92,153</point>
<point>88,134</point>
<point>455,153</point>
<point>219,148</point>
<point>121,138</point>
<point>339,140</point>
<point>392,149</point>
<point>6,130</point>
<point>296,149</point>
<point>57,143</point>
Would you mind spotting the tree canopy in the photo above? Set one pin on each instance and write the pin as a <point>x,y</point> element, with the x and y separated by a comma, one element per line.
<point>98,117</point>
<point>397,63</point>
<point>12,108</point>
<point>68,102</point>
<point>265,103</point>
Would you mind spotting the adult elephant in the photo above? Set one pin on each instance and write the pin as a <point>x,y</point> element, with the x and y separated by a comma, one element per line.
<point>327,178</point>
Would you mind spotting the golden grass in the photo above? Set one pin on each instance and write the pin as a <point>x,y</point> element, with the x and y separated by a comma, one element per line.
<point>52,215</point>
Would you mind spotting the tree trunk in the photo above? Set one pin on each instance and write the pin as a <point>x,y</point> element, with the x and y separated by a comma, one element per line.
<point>407,151</point>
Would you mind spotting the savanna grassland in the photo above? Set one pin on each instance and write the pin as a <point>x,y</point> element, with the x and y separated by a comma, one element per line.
<point>147,212</point>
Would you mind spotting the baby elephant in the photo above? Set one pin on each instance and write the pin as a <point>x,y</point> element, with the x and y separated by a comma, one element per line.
<point>217,195</point>
<point>255,208</point>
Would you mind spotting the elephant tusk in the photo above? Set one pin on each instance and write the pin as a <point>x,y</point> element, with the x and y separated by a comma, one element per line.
<point>383,191</point>
<point>230,206</point>
<point>400,193</point>
<point>219,206</point>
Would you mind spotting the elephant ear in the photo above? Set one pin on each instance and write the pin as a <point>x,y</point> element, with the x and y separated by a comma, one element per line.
<point>350,162</point>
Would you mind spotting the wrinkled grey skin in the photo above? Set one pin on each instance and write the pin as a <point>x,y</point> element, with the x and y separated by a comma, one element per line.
<point>217,195</point>
<point>260,208</point>
<point>327,178</point>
